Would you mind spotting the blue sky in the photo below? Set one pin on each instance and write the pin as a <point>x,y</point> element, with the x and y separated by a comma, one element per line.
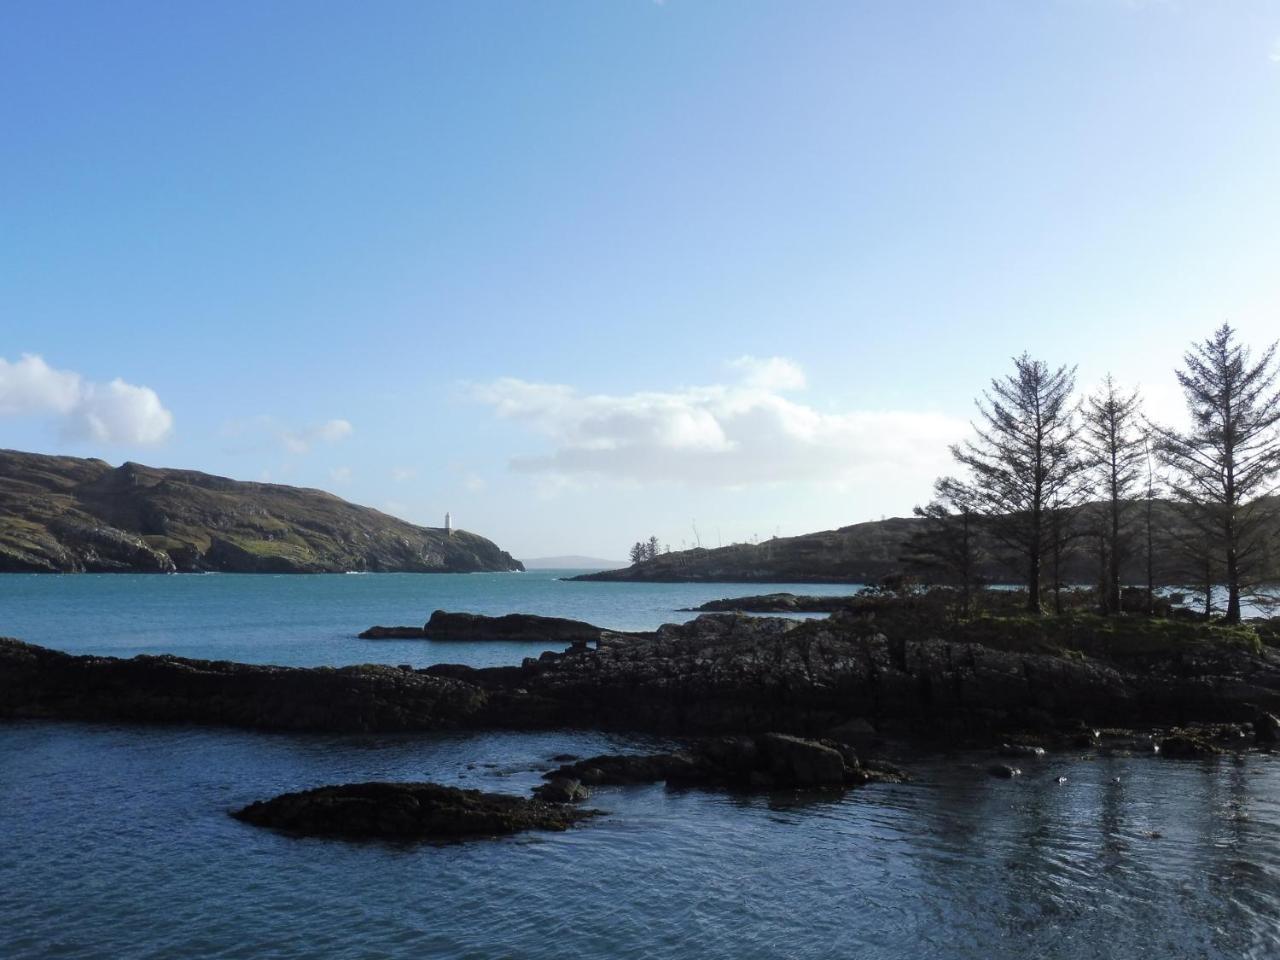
<point>579,272</point>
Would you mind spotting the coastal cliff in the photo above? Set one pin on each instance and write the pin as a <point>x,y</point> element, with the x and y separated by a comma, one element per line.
<point>71,515</point>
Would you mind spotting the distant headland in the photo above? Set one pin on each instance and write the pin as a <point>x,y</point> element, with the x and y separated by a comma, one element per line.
<point>72,515</point>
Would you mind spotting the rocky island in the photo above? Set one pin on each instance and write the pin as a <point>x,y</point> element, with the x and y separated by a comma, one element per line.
<point>70,515</point>
<point>407,811</point>
<point>515,627</point>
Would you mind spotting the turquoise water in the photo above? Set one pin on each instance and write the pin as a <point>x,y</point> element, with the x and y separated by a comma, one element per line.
<point>115,840</point>
<point>313,620</point>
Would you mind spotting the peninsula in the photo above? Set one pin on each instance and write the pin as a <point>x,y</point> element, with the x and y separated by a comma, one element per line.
<point>72,515</point>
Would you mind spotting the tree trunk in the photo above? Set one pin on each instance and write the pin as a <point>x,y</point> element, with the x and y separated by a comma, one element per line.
<point>1151,564</point>
<point>1113,569</point>
<point>1233,585</point>
<point>1033,582</point>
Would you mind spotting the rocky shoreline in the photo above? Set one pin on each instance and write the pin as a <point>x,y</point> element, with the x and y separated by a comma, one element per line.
<point>888,665</point>
<point>759,703</point>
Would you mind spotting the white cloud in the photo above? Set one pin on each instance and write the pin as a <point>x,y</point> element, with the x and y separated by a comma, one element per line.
<point>110,413</point>
<point>1274,55</point>
<point>403,474</point>
<point>771,373</point>
<point>340,475</point>
<point>119,412</point>
<point>724,435</point>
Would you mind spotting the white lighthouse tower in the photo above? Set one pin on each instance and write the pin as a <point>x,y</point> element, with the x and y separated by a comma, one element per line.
<point>448,525</point>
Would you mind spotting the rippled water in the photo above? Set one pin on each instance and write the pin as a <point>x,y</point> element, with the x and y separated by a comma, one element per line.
<point>115,840</point>
<point>117,843</point>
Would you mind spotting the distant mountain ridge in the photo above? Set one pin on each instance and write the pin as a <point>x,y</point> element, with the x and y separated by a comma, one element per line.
<point>68,514</point>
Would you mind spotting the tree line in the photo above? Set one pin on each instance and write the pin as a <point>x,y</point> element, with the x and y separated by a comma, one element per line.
<point>1048,475</point>
<point>643,550</point>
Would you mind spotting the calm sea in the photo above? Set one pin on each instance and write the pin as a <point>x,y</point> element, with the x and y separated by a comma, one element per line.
<point>115,840</point>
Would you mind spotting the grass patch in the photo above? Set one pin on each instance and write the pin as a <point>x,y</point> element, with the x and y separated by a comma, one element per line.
<point>1087,634</point>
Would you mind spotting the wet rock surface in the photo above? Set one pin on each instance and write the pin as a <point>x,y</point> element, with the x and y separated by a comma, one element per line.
<point>407,811</point>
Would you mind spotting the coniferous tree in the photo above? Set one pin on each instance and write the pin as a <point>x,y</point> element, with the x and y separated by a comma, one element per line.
<point>946,542</point>
<point>651,549</point>
<point>1225,466</point>
<point>638,553</point>
<point>1112,445</point>
<point>1152,483</point>
<point>1023,461</point>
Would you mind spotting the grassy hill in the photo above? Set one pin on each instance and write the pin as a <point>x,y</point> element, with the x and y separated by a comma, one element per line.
<point>867,552</point>
<point>66,514</point>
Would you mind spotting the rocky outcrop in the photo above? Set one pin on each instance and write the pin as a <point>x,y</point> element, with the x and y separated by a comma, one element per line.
<point>884,670</point>
<point>780,603</point>
<point>65,514</point>
<point>770,761</point>
<point>407,811</point>
<point>37,682</point>
<point>524,627</point>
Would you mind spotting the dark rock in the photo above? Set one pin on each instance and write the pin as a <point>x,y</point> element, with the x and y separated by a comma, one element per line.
<point>562,790</point>
<point>1185,744</point>
<point>1004,771</point>
<point>393,633</point>
<point>981,681</point>
<point>856,730</point>
<point>513,626</point>
<point>37,682</point>
<point>801,763</point>
<point>781,603</point>
<point>766,762</point>
<point>1266,727</point>
<point>406,811</point>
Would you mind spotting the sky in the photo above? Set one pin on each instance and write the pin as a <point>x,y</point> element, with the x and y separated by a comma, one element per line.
<point>582,272</point>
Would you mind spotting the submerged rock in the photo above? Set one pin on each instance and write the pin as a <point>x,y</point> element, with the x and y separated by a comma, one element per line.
<point>406,811</point>
<point>1004,771</point>
<point>393,633</point>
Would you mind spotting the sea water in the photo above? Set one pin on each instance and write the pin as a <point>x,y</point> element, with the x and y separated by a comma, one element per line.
<point>115,839</point>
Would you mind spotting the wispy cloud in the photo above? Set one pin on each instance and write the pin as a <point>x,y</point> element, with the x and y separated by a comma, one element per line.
<point>111,413</point>
<point>1274,54</point>
<point>258,431</point>
<point>301,441</point>
<point>733,434</point>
